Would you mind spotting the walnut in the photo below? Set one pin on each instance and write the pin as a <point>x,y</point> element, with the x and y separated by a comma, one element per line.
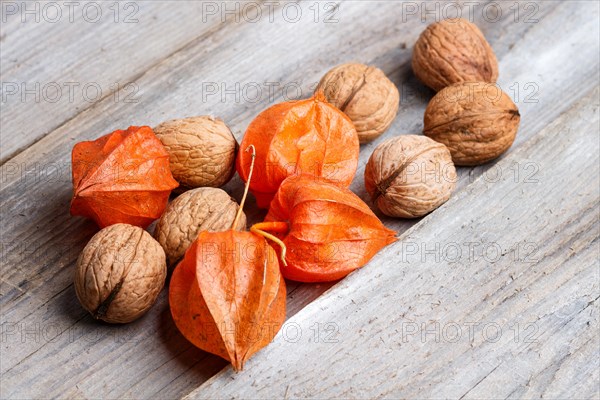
<point>476,120</point>
<point>197,210</point>
<point>409,176</point>
<point>365,95</point>
<point>452,51</point>
<point>202,150</point>
<point>120,273</point>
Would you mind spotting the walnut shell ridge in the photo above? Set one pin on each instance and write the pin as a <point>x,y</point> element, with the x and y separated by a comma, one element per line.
<point>452,51</point>
<point>365,95</point>
<point>197,210</point>
<point>409,176</point>
<point>120,273</point>
<point>477,121</point>
<point>202,150</point>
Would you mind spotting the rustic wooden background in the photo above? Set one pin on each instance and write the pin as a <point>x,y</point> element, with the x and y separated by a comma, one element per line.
<point>494,295</point>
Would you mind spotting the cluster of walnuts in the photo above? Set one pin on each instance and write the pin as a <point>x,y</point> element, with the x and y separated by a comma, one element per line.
<point>470,121</point>
<point>122,270</point>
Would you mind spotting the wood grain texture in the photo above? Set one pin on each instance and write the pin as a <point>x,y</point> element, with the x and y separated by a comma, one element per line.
<point>97,52</point>
<point>401,327</point>
<point>44,327</point>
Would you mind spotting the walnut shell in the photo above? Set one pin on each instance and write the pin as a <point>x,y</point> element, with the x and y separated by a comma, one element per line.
<point>197,210</point>
<point>120,273</point>
<point>477,121</point>
<point>409,176</point>
<point>365,95</point>
<point>452,51</point>
<point>202,150</point>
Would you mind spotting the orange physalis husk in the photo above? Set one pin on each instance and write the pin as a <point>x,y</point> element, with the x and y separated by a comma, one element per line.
<point>308,136</point>
<point>122,177</point>
<point>328,230</point>
<point>227,295</point>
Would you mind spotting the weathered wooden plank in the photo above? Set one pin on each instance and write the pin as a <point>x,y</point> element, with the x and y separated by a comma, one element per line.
<point>104,47</point>
<point>37,269</point>
<point>427,319</point>
<point>38,256</point>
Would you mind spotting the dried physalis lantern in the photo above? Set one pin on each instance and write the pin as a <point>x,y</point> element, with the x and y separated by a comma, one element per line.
<point>309,136</point>
<point>122,177</point>
<point>328,230</point>
<point>227,295</point>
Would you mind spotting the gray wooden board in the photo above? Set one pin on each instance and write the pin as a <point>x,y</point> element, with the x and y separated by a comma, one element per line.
<point>61,59</point>
<point>469,304</point>
<point>45,332</point>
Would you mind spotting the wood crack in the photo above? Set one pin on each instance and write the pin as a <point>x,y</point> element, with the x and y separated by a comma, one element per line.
<point>479,381</point>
